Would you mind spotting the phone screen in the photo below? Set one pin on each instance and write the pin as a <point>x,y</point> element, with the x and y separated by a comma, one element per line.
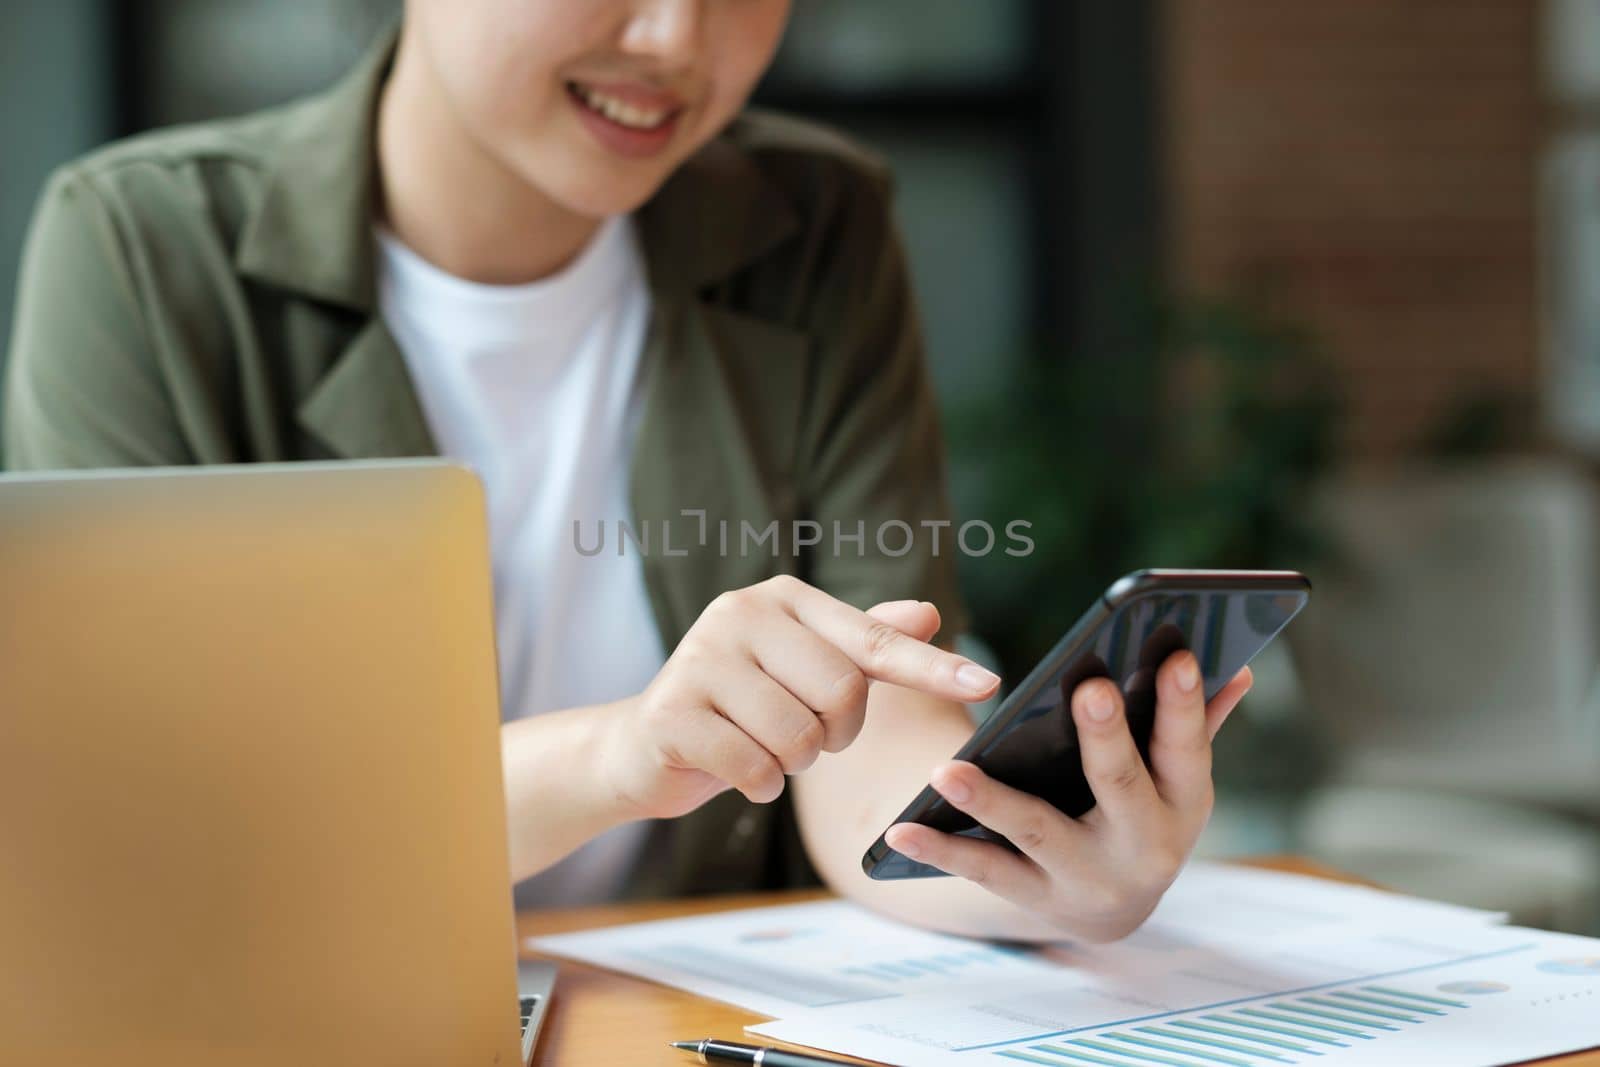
<point>1224,631</point>
<point>1032,743</point>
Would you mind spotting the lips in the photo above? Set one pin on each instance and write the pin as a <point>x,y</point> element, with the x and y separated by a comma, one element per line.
<point>625,109</point>
<point>629,119</point>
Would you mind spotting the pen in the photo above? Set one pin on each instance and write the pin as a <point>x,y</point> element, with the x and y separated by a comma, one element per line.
<point>710,1050</point>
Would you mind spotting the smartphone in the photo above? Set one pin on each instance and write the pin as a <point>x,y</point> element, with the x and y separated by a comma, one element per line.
<point>1223,617</point>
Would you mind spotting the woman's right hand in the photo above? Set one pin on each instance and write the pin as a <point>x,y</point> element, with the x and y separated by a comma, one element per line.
<point>769,677</point>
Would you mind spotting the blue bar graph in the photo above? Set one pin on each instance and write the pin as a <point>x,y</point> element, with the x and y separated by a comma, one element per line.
<point>1280,1030</point>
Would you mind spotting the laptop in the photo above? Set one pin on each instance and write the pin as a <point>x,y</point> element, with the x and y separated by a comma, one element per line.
<point>250,790</point>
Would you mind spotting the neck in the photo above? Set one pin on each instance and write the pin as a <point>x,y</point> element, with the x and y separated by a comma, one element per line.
<point>451,201</point>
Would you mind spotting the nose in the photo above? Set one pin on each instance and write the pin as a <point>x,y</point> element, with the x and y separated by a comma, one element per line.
<point>665,30</point>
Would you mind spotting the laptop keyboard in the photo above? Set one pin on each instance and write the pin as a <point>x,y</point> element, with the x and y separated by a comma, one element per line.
<point>525,1008</point>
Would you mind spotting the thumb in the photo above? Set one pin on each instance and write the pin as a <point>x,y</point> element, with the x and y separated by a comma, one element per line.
<point>917,618</point>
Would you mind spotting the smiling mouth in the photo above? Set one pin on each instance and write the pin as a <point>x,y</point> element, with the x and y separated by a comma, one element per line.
<point>614,109</point>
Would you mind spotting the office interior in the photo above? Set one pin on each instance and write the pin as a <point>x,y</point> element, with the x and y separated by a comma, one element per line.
<point>1247,284</point>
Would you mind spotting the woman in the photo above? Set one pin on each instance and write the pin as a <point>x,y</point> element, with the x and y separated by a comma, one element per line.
<point>541,238</point>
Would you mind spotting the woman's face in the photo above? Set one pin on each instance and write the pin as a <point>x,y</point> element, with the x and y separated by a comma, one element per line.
<point>595,102</point>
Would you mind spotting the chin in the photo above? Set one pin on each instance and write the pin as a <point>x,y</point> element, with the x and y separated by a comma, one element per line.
<point>597,202</point>
<point>595,188</point>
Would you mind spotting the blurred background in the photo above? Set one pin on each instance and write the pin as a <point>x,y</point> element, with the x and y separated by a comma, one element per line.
<point>1205,283</point>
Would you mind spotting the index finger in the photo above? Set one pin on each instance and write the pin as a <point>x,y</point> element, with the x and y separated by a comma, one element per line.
<point>882,651</point>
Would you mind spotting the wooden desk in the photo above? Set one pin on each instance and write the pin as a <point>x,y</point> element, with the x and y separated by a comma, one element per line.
<point>600,1017</point>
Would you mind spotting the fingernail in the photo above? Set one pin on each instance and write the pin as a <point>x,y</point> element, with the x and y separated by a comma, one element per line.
<point>974,679</point>
<point>953,789</point>
<point>1188,674</point>
<point>1097,704</point>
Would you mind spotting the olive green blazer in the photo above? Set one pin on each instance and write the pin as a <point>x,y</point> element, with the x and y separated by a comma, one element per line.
<point>206,295</point>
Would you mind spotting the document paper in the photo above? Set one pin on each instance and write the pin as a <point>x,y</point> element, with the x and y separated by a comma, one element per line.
<point>1237,966</point>
<point>1470,997</point>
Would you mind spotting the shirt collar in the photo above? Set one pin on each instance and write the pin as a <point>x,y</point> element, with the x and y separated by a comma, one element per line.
<point>311,231</point>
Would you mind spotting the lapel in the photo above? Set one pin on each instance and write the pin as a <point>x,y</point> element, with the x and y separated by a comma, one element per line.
<point>311,235</point>
<point>366,407</point>
<point>311,231</point>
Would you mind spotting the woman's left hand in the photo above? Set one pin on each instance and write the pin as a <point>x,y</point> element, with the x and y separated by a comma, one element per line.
<point>1097,877</point>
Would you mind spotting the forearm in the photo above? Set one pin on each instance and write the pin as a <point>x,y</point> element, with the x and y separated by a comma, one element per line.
<point>556,799</point>
<point>847,799</point>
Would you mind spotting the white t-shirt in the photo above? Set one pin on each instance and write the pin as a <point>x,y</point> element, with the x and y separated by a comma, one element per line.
<point>535,387</point>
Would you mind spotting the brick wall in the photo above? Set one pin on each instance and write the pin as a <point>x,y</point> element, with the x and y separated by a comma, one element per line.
<point>1374,161</point>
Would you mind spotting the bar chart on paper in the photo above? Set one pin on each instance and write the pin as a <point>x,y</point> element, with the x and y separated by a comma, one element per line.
<point>1282,1030</point>
<point>1506,995</point>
